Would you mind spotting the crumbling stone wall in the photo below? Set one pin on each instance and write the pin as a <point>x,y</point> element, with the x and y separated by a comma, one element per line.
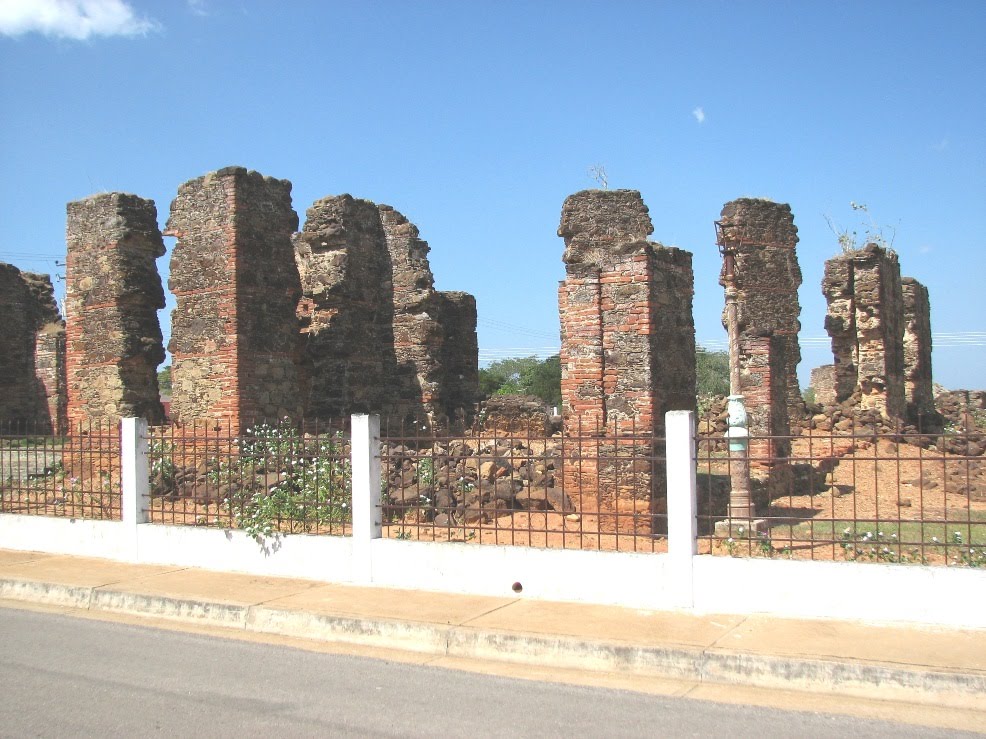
<point>460,357</point>
<point>379,337</point>
<point>865,319</point>
<point>234,332</point>
<point>628,342</point>
<point>417,327</point>
<point>347,309</point>
<point>32,351</point>
<point>823,384</point>
<point>767,277</point>
<point>112,295</point>
<point>918,394</point>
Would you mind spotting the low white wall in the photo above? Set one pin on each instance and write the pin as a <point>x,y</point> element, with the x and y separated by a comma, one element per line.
<point>612,578</point>
<point>76,536</point>
<point>324,558</point>
<point>845,590</point>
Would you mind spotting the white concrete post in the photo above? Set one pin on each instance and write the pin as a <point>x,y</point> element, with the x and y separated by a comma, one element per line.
<point>682,504</point>
<point>366,493</point>
<point>134,478</point>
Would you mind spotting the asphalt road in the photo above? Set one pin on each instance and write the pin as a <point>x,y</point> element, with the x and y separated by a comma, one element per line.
<point>63,676</point>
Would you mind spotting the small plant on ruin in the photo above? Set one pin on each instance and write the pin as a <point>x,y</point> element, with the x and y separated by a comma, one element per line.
<point>867,232</point>
<point>597,172</point>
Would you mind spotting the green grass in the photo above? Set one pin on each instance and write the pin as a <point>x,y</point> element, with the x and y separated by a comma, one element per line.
<point>963,542</point>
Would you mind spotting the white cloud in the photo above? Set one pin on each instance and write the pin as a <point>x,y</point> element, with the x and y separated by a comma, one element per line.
<point>74,19</point>
<point>198,7</point>
<point>925,248</point>
<point>941,145</point>
<point>699,115</point>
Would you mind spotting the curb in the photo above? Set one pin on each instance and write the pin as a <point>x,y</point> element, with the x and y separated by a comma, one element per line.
<point>905,683</point>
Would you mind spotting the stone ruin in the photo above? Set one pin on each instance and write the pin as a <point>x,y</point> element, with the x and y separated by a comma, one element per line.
<point>880,326</point>
<point>390,344</point>
<point>234,337</point>
<point>918,393</point>
<point>32,352</point>
<point>627,344</point>
<point>764,238</point>
<point>865,320</point>
<point>342,317</point>
<point>112,296</point>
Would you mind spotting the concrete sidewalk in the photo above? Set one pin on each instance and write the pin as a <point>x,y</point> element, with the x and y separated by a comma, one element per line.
<point>943,670</point>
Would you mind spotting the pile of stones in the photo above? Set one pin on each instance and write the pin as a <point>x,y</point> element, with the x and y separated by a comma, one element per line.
<point>473,481</point>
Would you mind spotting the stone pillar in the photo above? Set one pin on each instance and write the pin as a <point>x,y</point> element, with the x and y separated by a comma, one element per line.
<point>460,357</point>
<point>628,348</point>
<point>840,323</point>
<point>866,322</point>
<point>234,332</point>
<point>823,383</point>
<point>763,378</point>
<point>418,333</point>
<point>112,295</point>
<point>347,311</point>
<point>764,238</point>
<point>918,394</point>
<point>32,351</point>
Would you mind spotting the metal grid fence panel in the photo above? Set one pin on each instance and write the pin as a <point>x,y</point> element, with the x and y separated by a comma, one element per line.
<point>522,487</point>
<point>855,495</point>
<point>274,478</point>
<point>75,475</point>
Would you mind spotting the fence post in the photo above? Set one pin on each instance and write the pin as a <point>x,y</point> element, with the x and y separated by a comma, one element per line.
<point>134,479</point>
<point>366,492</point>
<point>682,505</point>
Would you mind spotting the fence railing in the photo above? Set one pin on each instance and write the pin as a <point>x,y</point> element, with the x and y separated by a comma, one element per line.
<point>75,476</point>
<point>857,494</point>
<point>852,494</point>
<point>520,486</point>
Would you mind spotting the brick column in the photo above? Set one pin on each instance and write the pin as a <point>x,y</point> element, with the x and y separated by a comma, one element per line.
<point>866,322</point>
<point>234,334</point>
<point>628,352</point>
<point>112,295</point>
<point>918,394</point>
<point>768,277</point>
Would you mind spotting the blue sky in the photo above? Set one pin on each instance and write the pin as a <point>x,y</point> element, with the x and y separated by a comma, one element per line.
<point>477,119</point>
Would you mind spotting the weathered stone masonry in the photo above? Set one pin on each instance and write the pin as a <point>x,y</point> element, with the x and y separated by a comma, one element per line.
<point>767,277</point>
<point>865,319</point>
<point>434,334</point>
<point>32,351</point>
<point>347,311</point>
<point>918,395</point>
<point>628,340</point>
<point>112,295</point>
<point>379,337</point>
<point>234,333</point>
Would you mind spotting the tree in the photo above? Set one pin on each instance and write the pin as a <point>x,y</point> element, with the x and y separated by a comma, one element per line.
<point>711,373</point>
<point>523,376</point>
<point>164,380</point>
<point>544,380</point>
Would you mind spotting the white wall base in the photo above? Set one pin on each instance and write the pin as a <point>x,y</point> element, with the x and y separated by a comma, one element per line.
<point>844,590</point>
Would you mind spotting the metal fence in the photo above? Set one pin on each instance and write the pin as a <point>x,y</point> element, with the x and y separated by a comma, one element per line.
<point>522,486</point>
<point>860,494</point>
<point>76,475</point>
<point>274,478</point>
